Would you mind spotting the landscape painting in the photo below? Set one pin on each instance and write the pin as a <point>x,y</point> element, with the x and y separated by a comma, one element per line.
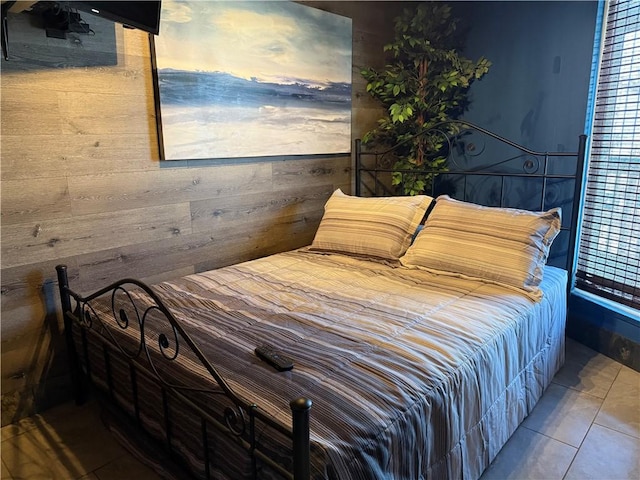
<point>251,79</point>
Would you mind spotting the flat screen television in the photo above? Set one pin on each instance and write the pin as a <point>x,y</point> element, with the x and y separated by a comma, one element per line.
<point>144,15</point>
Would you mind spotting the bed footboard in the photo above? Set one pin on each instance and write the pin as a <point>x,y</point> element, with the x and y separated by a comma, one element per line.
<point>126,337</point>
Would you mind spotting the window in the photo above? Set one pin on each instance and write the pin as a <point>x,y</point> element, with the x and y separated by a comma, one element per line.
<point>609,249</point>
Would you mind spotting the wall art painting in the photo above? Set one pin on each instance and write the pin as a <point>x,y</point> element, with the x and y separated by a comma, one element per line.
<point>244,79</point>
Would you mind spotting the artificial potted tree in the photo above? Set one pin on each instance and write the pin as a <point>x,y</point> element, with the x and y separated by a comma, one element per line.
<point>425,83</point>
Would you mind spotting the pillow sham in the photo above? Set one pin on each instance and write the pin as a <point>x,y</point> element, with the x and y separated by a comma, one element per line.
<point>503,245</point>
<point>379,227</point>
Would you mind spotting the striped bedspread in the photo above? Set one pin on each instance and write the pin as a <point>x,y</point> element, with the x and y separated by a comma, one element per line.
<point>412,375</point>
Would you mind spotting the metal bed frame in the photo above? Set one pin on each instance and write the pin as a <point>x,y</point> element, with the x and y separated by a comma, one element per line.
<point>241,417</point>
<point>243,421</point>
<point>532,165</point>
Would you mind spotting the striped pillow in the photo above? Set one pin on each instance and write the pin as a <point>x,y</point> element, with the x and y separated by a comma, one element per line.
<point>502,245</point>
<point>372,226</point>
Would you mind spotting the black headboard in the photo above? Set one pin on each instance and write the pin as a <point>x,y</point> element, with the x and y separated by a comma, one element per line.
<point>485,168</point>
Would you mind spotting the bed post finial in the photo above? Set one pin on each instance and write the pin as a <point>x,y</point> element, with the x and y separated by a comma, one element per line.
<point>300,408</point>
<point>65,300</point>
<point>63,284</point>
<point>577,198</point>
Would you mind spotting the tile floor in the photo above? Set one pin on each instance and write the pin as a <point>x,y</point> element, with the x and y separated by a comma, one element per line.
<point>586,426</point>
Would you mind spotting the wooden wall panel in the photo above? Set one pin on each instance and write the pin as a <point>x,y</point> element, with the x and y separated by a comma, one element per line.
<point>22,284</point>
<point>50,239</point>
<point>265,209</point>
<point>24,110</point>
<point>45,156</point>
<point>127,190</point>
<point>98,113</point>
<point>82,185</point>
<point>142,260</point>
<point>47,198</point>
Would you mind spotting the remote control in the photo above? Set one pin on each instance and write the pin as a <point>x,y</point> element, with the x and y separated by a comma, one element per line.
<point>273,358</point>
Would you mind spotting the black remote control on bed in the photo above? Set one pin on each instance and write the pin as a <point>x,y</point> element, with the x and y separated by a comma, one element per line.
<point>274,358</point>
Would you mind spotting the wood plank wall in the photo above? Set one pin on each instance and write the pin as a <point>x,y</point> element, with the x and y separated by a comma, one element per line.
<point>82,185</point>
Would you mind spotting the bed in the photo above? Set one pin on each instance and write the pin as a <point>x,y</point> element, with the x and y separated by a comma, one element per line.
<point>418,346</point>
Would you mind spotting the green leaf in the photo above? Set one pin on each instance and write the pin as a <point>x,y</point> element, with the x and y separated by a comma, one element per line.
<point>415,100</point>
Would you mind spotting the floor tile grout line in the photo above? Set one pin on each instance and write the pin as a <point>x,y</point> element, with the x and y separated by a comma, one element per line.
<point>580,447</point>
<point>608,427</point>
<point>554,439</point>
<point>587,393</point>
<point>614,381</point>
<point>633,437</point>
<point>583,393</point>
<point>44,425</point>
<point>7,468</point>
<point>119,457</point>
<point>20,427</point>
<point>593,422</point>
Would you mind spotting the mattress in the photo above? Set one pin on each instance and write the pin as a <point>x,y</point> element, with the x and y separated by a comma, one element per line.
<point>412,374</point>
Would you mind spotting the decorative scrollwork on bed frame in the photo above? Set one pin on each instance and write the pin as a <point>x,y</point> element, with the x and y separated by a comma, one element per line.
<point>464,140</point>
<point>124,332</point>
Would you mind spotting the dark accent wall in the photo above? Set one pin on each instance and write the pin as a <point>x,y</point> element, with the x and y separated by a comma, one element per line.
<point>536,90</point>
<point>536,93</point>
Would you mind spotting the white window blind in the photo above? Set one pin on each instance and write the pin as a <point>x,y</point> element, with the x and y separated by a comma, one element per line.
<point>609,248</point>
